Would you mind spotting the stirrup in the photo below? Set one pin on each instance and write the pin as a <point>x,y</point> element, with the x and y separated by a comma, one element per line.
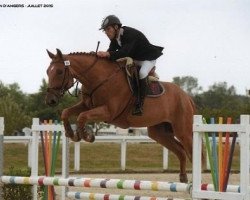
<point>137,110</point>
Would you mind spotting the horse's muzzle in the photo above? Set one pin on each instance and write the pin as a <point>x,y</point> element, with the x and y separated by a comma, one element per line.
<point>51,99</point>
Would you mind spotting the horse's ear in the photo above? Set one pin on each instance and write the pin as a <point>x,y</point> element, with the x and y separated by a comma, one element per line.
<point>51,55</point>
<point>59,53</point>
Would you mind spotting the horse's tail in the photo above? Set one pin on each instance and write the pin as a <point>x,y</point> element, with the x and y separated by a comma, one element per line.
<point>202,151</point>
<point>192,104</point>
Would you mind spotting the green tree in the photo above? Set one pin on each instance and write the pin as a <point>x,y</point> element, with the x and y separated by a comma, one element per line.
<point>38,108</point>
<point>13,91</point>
<point>220,101</point>
<point>14,116</point>
<point>189,84</point>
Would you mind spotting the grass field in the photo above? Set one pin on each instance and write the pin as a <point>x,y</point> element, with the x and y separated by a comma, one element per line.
<point>104,157</point>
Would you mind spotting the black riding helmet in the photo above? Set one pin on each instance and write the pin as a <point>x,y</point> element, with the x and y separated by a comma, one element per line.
<point>110,20</point>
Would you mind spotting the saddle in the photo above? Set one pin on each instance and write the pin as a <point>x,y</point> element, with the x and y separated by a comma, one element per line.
<point>155,88</point>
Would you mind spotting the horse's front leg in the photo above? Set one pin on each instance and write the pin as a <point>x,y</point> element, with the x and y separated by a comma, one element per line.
<point>67,113</point>
<point>94,115</point>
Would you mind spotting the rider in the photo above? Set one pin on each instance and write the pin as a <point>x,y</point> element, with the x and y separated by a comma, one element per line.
<point>129,42</point>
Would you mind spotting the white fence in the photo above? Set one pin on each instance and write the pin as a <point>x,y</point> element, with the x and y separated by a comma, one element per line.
<point>122,140</point>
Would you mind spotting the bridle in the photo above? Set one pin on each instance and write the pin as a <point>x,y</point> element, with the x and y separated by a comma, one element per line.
<point>63,88</point>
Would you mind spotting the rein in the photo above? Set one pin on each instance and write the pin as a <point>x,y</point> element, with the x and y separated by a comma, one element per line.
<point>106,80</point>
<point>90,67</point>
<point>103,82</point>
<point>63,88</point>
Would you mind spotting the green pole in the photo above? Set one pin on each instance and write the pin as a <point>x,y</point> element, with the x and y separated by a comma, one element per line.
<point>208,147</point>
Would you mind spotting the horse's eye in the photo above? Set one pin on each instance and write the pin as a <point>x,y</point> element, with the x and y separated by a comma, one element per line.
<point>59,71</point>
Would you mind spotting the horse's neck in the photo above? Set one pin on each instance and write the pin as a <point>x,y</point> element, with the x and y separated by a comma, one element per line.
<point>90,70</point>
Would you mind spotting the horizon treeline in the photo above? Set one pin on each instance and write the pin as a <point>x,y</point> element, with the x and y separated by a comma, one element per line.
<point>18,108</point>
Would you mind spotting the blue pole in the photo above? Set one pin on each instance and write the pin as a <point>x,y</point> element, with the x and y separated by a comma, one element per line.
<point>215,157</point>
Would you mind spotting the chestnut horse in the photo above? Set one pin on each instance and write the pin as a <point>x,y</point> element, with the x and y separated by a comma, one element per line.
<point>107,97</point>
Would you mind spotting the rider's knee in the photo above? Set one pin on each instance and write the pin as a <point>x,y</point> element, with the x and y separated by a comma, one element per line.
<point>146,67</point>
<point>143,74</point>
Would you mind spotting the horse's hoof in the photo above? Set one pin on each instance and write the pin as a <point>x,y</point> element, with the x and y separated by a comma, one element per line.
<point>183,178</point>
<point>76,138</point>
<point>89,138</point>
<point>86,134</point>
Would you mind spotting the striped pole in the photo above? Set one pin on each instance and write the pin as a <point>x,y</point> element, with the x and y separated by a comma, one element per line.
<point>99,196</point>
<point>1,154</point>
<point>230,188</point>
<point>112,184</point>
<point>100,183</point>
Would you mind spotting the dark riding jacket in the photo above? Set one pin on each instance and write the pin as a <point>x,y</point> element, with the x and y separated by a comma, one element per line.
<point>134,44</point>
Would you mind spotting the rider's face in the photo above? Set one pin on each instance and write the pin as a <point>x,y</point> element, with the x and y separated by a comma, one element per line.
<point>110,32</point>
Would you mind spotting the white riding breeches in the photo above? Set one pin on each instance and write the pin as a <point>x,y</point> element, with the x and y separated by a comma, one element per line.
<point>146,67</point>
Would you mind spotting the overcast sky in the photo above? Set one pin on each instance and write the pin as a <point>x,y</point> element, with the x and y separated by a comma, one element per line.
<point>206,39</point>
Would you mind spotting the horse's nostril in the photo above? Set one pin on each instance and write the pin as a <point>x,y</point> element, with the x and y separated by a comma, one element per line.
<point>53,102</point>
<point>51,99</point>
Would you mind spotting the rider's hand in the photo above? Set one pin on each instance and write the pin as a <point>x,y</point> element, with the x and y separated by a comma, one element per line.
<point>103,54</point>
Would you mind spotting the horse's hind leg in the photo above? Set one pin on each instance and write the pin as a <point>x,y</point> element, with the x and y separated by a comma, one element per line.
<point>185,136</point>
<point>164,136</point>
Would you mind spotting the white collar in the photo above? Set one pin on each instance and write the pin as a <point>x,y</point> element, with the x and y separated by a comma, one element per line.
<point>119,36</point>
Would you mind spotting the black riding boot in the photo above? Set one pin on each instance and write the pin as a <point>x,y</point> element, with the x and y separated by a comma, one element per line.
<point>141,96</point>
<point>143,89</point>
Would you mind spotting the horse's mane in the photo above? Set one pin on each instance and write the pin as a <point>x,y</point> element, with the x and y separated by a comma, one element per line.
<point>92,53</point>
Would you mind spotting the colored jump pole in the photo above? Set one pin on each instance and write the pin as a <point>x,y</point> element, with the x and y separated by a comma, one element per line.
<point>230,161</point>
<point>100,183</point>
<point>100,196</point>
<point>43,151</point>
<point>209,154</point>
<point>50,158</point>
<point>56,143</point>
<point>50,146</point>
<point>226,156</point>
<point>215,158</point>
<point>112,184</point>
<point>1,154</point>
<point>220,162</point>
<point>54,153</point>
<point>44,140</point>
<point>44,160</point>
<point>220,156</point>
